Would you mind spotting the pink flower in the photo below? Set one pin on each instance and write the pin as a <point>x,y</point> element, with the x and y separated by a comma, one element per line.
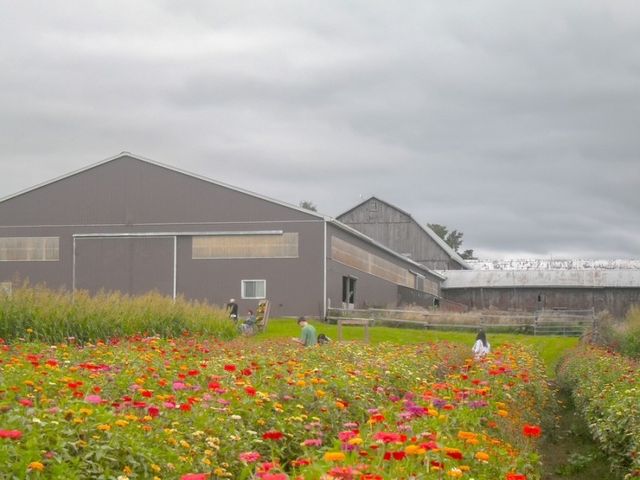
<point>93,399</point>
<point>179,386</point>
<point>249,457</point>
<point>195,476</point>
<point>312,442</point>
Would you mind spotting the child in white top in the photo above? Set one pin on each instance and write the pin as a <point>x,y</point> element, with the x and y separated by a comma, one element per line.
<point>481,347</point>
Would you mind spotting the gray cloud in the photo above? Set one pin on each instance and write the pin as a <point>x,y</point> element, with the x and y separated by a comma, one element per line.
<point>515,122</point>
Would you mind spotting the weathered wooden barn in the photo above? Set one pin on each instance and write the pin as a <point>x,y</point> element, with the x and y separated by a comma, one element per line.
<point>134,225</point>
<point>397,229</point>
<point>531,290</point>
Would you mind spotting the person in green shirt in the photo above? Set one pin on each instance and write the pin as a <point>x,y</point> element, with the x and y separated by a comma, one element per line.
<point>308,336</point>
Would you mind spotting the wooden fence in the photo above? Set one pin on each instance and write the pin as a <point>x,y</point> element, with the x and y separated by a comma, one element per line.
<point>542,322</point>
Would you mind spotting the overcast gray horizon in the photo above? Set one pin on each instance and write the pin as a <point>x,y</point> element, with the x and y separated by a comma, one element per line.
<point>514,122</point>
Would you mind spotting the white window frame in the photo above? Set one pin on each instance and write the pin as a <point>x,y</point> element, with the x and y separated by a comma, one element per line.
<point>242,288</point>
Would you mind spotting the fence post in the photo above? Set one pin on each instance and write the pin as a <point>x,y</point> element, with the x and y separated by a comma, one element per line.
<point>340,329</point>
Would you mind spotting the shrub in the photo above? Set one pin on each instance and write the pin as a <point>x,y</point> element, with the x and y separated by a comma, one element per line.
<point>38,313</point>
<point>605,388</point>
<point>629,334</point>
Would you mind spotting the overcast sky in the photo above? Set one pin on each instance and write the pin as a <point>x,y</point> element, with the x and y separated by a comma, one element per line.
<point>517,122</point>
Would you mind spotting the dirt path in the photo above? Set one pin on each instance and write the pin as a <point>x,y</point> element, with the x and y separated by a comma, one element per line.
<point>569,453</point>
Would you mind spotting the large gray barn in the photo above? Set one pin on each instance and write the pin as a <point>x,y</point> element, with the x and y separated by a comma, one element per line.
<point>134,225</point>
<point>397,229</point>
<point>531,290</point>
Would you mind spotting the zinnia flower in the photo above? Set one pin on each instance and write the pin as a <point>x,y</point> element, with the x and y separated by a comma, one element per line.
<point>36,466</point>
<point>273,435</point>
<point>533,431</point>
<point>249,457</point>
<point>334,456</point>
<point>195,476</point>
<point>11,434</point>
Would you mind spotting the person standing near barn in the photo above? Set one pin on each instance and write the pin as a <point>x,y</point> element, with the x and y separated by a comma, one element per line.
<point>232,308</point>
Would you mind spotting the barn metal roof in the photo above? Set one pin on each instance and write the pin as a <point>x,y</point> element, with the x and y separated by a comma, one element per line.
<point>541,278</point>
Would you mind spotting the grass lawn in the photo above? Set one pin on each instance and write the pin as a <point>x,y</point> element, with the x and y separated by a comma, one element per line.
<point>550,348</point>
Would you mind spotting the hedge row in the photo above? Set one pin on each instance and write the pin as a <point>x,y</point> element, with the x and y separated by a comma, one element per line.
<point>605,388</point>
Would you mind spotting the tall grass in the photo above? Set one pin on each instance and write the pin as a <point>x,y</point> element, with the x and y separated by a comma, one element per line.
<point>40,314</point>
<point>629,333</point>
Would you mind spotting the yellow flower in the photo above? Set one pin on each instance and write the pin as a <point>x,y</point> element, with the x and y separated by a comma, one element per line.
<point>455,472</point>
<point>503,413</point>
<point>104,427</point>
<point>355,441</point>
<point>155,468</point>
<point>36,466</point>
<point>334,456</point>
<point>127,470</point>
<point>121,423</point>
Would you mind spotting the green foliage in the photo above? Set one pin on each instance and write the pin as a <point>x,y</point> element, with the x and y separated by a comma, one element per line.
<point>629,334</point>
<point>605,388</point>
<point>452,238</point>
<point>40,314</point>
<point>308,205</point>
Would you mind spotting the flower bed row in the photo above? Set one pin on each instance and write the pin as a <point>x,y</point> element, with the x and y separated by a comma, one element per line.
<point>605,388</point>
<point>193,409</point>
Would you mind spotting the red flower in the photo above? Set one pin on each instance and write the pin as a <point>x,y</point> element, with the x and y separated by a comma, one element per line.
<point>273,435</point>
<point>516,476</point>
<point>455,454</point>
<point>250,391</point>
<point>195,476</point>
<point>153,411</point>
<point>533,431</point>
<point>230,368</point>
<point>12,434</point>
<point>25,402</point>
<point>390,437</point>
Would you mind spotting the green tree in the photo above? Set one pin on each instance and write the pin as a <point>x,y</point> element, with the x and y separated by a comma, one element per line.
<point>308,205</point>
<point>452,238</point>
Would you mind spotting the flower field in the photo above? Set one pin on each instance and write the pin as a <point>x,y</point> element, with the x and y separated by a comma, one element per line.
<point>605,388</point>
<point>192,408</point>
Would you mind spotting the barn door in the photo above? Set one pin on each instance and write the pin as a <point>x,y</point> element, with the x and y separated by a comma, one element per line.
<point>131,265</point>
<point>348,292</point>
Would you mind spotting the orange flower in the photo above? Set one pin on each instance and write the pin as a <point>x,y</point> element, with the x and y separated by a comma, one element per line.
<point>334,456</point>
<point>36,466</point>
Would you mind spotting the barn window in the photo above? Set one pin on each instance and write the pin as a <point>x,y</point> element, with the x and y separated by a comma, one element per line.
<point>246,246</point>
<point>254,289</point>
<point>29,249</point>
